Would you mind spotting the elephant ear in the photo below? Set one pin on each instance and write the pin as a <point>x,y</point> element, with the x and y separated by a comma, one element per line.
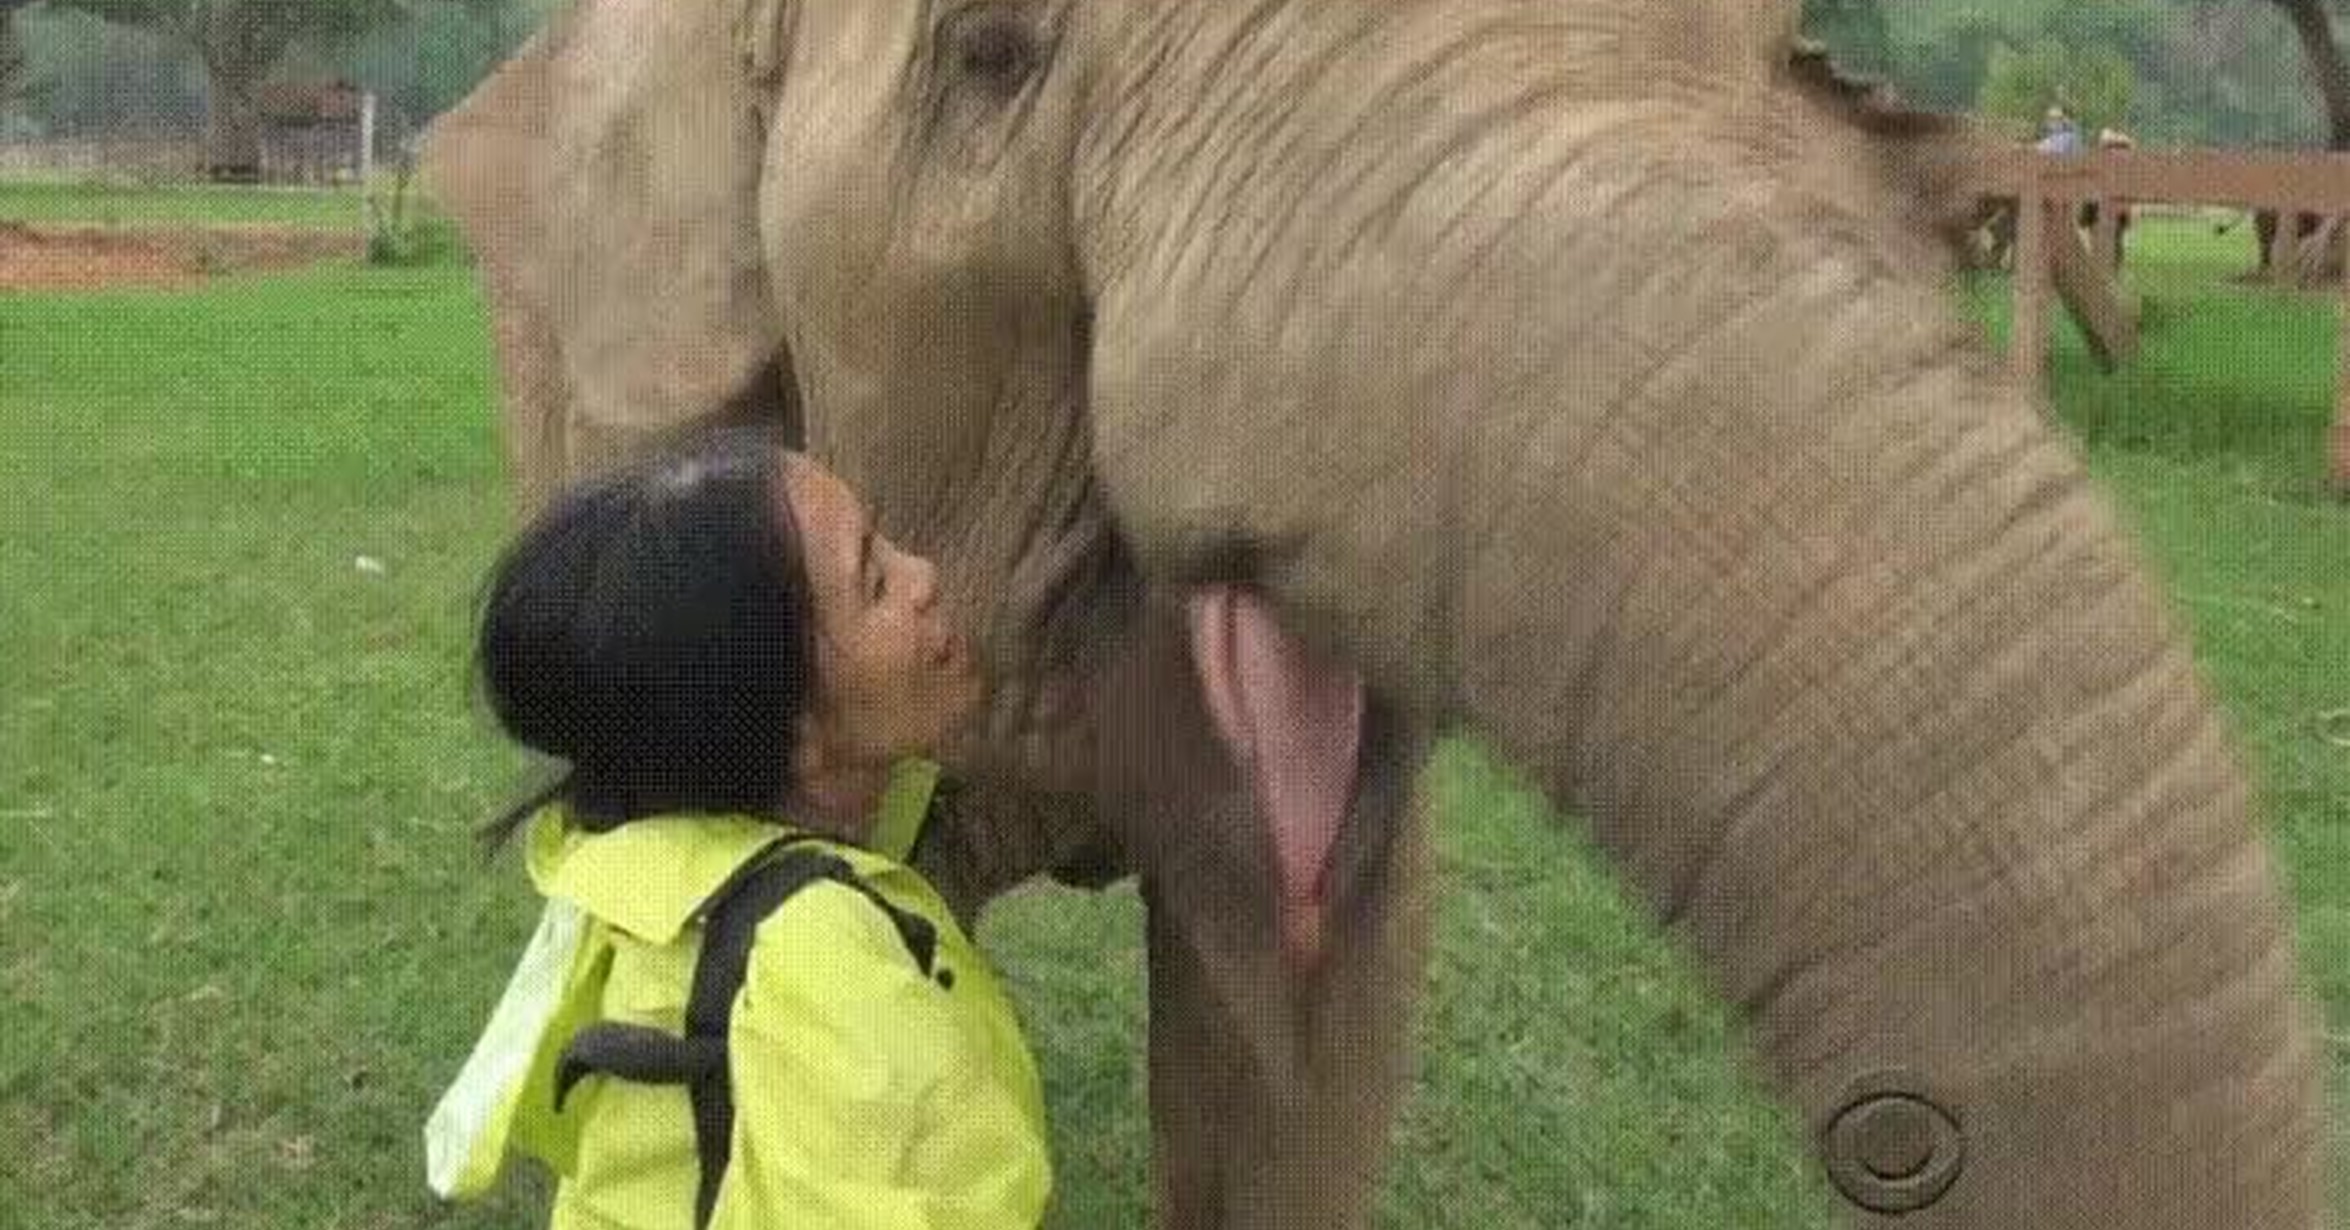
<point>607,178</point>
<point>1928,169</point>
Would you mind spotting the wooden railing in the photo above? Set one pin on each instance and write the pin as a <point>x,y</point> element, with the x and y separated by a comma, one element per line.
<point>2048,189</point>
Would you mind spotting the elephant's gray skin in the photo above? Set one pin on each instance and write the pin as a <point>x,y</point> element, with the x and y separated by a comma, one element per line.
<point>1572,375</point>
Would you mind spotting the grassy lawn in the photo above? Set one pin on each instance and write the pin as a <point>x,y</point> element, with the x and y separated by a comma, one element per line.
<point>56,201</point>
<point>244,941</point>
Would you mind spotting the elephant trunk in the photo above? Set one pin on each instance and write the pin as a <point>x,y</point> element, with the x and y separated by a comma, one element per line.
<point>1608,427</point>
<point>1860,686</point>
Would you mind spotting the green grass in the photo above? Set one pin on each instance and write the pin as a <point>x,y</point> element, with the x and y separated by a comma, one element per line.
<point>55,201</point>
<point>243,940</point>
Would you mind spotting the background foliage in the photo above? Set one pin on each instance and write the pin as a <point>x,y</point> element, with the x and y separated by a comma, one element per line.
<point>90,66</point>
<point>2218,72</point>
<point>2226,72</point>
<point>2096,86</point>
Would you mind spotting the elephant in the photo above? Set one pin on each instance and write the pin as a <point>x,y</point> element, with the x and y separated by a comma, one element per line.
<point>1285,384</point>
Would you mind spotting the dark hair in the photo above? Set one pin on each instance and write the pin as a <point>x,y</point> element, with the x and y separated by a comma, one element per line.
<point>652,630</point>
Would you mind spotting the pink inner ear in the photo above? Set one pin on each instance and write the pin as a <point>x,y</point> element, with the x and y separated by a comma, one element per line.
<point>1293,724</point>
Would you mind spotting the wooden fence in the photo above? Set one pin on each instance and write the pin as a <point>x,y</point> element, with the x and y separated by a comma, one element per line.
<point>138,159</point>
<point>2047,190</point>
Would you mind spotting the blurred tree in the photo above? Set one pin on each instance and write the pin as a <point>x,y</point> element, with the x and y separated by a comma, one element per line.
<point>1854,31</point>
<point>2230,72</point>
<point>2330,77</point>
<point>239,42</point>
<point>425,65</point>
<point>2329,73</point>
<point>2096,86</point>
<point>86,77</point>
<point>2131,30</point>
<point>1942,65</point>
<point>2223,72</point>
<point>12,59</point>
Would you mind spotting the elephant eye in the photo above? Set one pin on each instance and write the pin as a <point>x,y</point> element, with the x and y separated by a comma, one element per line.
<point>993,45</point>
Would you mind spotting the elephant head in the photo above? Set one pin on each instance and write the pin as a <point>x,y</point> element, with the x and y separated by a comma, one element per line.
<point>1542,368</point>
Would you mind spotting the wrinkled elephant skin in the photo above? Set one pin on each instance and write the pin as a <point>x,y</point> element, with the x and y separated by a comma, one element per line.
<point>1280,383</point>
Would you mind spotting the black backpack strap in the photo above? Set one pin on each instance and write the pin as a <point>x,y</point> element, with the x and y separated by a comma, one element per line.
<point>636,1053</point>
<point>730,923</point>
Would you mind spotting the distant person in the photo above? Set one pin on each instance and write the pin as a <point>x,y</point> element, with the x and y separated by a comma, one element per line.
<point>2059,135</point>
<point>742,1008</point>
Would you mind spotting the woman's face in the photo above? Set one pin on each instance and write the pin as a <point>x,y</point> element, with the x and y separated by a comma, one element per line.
<point>894,678</point>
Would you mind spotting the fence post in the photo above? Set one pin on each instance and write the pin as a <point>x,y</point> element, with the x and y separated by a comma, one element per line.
<point>2287,242</point>
<point>2028,336</point>
<point>366,140</point>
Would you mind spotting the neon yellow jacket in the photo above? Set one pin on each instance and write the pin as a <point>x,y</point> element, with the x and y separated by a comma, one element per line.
<point>866,1095</point>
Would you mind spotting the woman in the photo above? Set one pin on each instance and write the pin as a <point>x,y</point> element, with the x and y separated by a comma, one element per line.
<point>740,675</point>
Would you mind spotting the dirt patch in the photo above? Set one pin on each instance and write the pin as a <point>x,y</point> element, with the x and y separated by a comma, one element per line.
<point>67,257</point>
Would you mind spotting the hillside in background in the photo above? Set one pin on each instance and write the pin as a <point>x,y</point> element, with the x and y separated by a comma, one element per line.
<point>2217,72</point>
<point>81,76</point>
<point>2214,72</point>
